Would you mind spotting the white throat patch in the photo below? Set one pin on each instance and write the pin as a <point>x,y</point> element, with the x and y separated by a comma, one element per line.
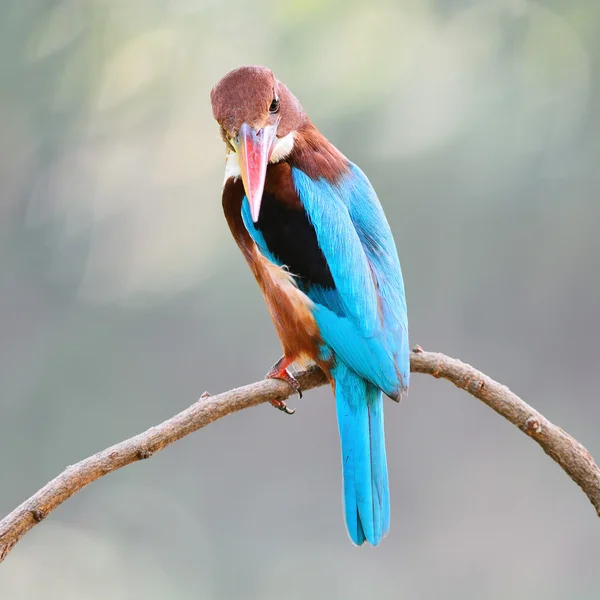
<point>232,167</point>
<point>283,147</point>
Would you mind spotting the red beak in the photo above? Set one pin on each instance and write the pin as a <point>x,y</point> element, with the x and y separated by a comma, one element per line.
<point>254,151</point>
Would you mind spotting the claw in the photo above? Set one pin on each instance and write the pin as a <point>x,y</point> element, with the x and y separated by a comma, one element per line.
<point>279,371</point>
<point>282,406</point>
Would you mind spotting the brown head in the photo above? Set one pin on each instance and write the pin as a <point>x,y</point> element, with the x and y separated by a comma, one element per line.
<point>258,116</point>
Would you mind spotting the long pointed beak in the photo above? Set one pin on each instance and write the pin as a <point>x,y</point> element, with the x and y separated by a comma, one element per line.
<point>254,151</point>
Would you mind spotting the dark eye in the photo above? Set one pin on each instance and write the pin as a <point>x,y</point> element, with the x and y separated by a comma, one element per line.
<point>274,108</point>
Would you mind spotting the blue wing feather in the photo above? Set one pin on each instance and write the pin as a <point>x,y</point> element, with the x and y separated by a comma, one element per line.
<point>370,333</point>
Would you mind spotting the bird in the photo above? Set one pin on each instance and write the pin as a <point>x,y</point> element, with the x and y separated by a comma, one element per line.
<point>314,234</point>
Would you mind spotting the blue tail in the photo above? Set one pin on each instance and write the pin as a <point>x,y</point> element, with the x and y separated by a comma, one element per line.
<point>359,407</point>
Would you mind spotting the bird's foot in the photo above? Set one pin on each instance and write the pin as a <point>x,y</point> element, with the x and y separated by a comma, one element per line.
<point>279,371</point>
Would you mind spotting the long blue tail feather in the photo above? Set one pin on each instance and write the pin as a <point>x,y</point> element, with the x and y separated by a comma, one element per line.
<point>359,407</point>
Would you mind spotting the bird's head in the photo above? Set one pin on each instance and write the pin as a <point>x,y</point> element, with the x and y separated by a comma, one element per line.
<point>258,116</point>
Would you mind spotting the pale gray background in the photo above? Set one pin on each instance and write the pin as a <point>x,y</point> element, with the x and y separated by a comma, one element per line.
<point>123,296</point>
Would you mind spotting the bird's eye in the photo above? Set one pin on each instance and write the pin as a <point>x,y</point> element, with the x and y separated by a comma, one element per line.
<point>274,108</point>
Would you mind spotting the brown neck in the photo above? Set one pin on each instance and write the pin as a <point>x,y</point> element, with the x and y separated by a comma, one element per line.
<point>315,156</point>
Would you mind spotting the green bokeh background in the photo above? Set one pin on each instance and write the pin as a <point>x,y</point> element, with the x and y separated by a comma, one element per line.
<point>123,296</point>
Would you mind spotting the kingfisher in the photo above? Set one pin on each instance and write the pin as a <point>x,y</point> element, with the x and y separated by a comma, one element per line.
<point>313,232</point>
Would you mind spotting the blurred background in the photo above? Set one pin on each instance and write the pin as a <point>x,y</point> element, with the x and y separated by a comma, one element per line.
<point>123,296</point>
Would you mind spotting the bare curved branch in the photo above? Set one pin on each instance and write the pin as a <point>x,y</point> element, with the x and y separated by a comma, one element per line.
<point>560,446</point>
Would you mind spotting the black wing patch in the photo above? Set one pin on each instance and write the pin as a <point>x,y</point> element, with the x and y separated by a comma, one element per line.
<point>291,237</point>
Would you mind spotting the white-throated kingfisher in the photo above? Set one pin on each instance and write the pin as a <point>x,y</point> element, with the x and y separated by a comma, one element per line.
<point>313,232</point>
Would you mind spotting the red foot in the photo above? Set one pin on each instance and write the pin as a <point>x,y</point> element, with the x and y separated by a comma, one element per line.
<point>279,371</point>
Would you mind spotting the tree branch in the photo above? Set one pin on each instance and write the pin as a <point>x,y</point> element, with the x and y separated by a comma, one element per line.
<point>560,446</point>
